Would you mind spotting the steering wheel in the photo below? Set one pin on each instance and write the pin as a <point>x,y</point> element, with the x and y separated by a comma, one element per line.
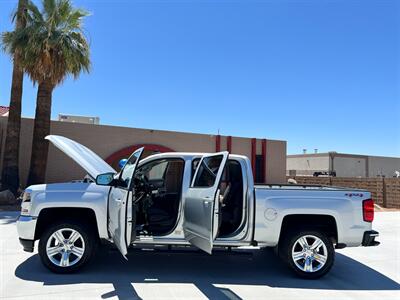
<point>142,187</point>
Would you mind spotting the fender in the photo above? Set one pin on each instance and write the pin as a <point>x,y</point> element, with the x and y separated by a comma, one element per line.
<point>75,194</point>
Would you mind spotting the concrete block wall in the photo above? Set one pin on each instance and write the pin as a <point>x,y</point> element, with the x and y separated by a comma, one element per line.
<point>384,191</point>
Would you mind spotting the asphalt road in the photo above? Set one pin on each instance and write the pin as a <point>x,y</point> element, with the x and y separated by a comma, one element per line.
<point>358,273</point>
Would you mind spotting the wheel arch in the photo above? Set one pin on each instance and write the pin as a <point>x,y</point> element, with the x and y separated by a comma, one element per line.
<point>83,215</point>
<point>320,222</point>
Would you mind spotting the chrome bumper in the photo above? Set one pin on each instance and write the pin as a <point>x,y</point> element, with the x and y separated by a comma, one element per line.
<point>26,226</point>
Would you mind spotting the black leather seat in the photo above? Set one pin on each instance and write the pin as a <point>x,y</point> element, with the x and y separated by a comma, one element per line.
<point>159,217</point>
<point>163,214</point>
<point>231,212</point>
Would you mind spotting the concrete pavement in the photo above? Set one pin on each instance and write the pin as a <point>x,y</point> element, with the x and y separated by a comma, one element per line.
<point>358,273</point>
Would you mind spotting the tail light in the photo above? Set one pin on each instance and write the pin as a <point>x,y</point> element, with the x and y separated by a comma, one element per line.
<point>368,210</point>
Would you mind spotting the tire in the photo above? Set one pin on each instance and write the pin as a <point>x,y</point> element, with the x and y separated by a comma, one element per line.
<point>54,254</point>
<point>310,263</point>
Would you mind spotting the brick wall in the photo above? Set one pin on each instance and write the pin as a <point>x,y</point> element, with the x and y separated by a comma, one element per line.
<point>384,191</point>
<point>392,191</point>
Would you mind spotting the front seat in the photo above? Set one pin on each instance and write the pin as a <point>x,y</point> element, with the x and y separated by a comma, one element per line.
<point>159,219</point>
<point>163,214</point>
<point>232,211</point>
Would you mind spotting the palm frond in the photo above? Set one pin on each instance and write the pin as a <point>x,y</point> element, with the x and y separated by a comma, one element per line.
<point>33,13</point>
<point>52,44</point>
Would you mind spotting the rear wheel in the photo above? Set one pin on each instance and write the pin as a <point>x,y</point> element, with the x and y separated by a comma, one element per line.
<point>66,247</point>
<point>309,253</point>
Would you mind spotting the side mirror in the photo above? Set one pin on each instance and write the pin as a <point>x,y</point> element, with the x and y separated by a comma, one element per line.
<point>105,179</point>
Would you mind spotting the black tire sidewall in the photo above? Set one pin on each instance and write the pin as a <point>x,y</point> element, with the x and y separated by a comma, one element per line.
<point>87,236</point>
<point>286,253</point>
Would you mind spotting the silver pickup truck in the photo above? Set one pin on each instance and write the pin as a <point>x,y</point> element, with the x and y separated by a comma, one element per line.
<point>189,199</point>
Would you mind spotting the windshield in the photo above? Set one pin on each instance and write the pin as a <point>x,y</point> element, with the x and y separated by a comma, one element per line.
<point>129,168</point>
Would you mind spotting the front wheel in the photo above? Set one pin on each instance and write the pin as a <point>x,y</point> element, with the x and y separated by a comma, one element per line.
<point>66,247</point>
<point>309,253</point>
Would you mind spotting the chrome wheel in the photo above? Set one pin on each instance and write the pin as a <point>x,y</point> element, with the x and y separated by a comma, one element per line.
<point>65,247</point>
<point>309,253</point>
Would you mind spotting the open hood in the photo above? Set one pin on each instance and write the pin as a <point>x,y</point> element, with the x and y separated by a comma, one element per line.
<point>86,158</point>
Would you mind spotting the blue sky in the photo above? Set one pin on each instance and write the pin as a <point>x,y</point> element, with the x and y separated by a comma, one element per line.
<point>319,74</point>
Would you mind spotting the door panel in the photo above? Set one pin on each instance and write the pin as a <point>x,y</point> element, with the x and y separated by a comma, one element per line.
<point>121,208</point>
<point>117,226</point>
<point>201,208</point>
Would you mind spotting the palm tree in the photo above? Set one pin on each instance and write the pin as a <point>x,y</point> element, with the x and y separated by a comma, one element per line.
<point>53,47</point>
<point>10,171</point>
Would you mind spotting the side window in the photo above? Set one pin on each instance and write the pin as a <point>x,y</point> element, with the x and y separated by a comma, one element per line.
<point>195,164</point>
<point>168,172</point>
<point>207,171</point>
<point>157,171</point>
<point>129,168</point>
<point>154,170</point>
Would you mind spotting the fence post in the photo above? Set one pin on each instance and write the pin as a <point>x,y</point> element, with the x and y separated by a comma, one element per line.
<point>384,198</point>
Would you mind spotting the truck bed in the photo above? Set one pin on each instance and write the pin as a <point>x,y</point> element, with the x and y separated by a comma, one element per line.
<point>305,187</point>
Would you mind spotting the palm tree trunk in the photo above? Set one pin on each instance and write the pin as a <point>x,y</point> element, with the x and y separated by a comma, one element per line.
<point>10,171</point>
<point>41,128</point>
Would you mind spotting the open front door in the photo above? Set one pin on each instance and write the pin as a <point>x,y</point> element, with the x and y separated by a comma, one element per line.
<point>201,208</point>
<point>121,217</point>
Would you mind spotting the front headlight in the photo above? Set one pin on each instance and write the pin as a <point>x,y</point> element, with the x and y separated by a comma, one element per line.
<point>26,203</point>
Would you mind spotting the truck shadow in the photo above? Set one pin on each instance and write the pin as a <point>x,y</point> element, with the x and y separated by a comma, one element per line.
<point>204,271</point>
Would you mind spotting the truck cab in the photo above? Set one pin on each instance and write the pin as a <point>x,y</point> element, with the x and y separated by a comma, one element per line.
<point>183,199</point>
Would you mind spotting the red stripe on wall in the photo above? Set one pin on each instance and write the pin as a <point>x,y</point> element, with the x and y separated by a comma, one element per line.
<point>253,155</point>
<point>264,156</point>
<point>217,143</point>
<point>229,144</point>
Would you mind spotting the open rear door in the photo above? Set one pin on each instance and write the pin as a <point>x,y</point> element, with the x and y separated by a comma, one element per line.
<point>121,217</point>
<point>201,208</point>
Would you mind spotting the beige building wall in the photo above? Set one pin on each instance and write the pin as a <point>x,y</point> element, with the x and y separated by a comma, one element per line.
<point>106,140</point>
<point>307,165</point>
<point>241,146</point>
<point>276,159</point>
<point>345,165</point>
<point>350,166</point>
<point>383,166</point>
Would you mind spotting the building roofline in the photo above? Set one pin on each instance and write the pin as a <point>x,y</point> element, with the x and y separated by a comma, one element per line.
<point>156,130</point>
<point>80,116</point>
<point>336,154</point>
